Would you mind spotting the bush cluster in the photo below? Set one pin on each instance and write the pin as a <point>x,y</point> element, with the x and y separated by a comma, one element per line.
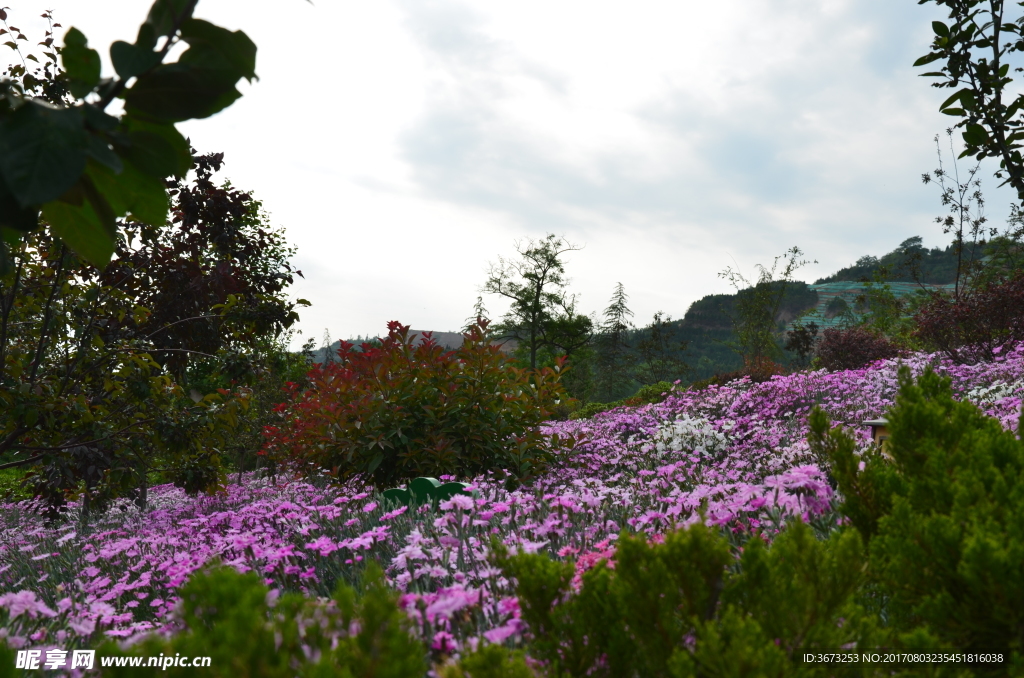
<point>853,348</point>
<point>978,324</point>
<point>408,408</point>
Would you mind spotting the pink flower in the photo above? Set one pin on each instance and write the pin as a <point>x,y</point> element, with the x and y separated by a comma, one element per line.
<point>444,642</point>
<point>323,545</point>
<point>502,633</point>
<point>25,602</point>
<point>394,514</point>
<point>459,501</point>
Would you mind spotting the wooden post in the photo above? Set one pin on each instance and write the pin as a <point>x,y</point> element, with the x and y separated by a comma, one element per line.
<point>880,433</point>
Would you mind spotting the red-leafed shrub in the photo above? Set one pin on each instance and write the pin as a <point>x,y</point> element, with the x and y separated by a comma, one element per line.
<point>409,408</point>
<point>852,348</point>
<point>976,326</point>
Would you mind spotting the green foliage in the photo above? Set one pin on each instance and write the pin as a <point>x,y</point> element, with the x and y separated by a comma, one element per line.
<point>659,352</point>
<point>100,385</point>
<point>614,357</point>
<point>406,409</point>
<point>757,308</point>
<point>424,491</point>
<point>909,262</point>
<point>233,619</point>
<point>945,519</point>
<point>542,314</point>
<point>63,157</point>
<point>490,661</point>
<point>685,607</point>
<point>646,395</point>
<point>975,48</point>
<point>78,405</point>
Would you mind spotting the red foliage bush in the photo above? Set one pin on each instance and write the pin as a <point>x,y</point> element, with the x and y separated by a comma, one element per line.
<point>397,411</point>
<point>977,326</point>
<point>852,348</point>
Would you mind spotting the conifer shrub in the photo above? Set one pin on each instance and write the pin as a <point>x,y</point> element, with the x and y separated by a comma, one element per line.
<point>404,409</point>
<point>237,622</point>
<point>685,607</point>
<point>944,519</point>
<point>852,348</point>
<point>978,324</point>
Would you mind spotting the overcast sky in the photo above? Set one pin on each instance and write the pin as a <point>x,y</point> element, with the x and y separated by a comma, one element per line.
<point>404,144</point>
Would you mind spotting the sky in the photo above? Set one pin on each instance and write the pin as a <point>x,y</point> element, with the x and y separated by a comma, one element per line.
<point>404,145</point>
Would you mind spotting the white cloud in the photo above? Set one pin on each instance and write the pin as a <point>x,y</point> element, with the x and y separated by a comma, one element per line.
<point>404,143</point>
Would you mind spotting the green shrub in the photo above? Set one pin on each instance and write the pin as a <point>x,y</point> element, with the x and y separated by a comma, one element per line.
<point>651,393</point>
<point>490,661</point>
<point>406,409</point>
<point>230,618</point>
<point>685,607</point>
<point>944,519</point>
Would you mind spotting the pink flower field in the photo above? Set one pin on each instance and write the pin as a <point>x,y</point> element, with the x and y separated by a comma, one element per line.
<point>735,456</point>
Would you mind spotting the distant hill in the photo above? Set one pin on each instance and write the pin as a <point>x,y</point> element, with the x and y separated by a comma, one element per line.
<point>707,324</point>
<point>707,328</point>
<point>448,340</point>
<point>908,263</point>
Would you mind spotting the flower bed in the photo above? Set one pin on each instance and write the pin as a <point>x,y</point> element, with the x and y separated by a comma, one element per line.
<point>736,454</point>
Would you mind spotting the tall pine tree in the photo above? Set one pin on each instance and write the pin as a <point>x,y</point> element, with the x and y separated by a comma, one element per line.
<point>614,356</point>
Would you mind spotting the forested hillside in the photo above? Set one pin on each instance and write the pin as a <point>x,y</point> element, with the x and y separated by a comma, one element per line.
<point>911,262</point>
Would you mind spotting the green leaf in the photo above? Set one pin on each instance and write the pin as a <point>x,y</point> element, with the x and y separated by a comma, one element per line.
<point>928,58</point>
<point>14,216</point>
<point>178,92</point>
<point>214,48</point>
<point>954,111</point>
<point>81,63</point>
<point>146,38</point>
<point>97,119</point>
<point>941,29</point>
<point>9,236</point>
<point>956,97</point>
<point>397,495</point>
<point>99,149</point>
<point>81,228</point>
<point>132,60</point>
<point>158,150</point>
<point>42,151</point>
<point>131,192</point>
<point>164,14</point>
<point>975,135</point>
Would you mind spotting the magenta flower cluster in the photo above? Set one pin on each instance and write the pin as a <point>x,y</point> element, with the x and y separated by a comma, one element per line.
<point>735,456</point>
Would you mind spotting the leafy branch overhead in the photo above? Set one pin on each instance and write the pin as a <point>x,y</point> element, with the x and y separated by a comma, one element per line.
<point>976,47</point>
<point>66,161</point>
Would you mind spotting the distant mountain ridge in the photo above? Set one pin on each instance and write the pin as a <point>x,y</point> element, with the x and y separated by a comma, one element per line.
<point>447,340</point>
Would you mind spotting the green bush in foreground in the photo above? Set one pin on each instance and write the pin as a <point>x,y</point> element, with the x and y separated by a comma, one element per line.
<point>232,619</point>
<point>686,607</point>
<point>944,519</point>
